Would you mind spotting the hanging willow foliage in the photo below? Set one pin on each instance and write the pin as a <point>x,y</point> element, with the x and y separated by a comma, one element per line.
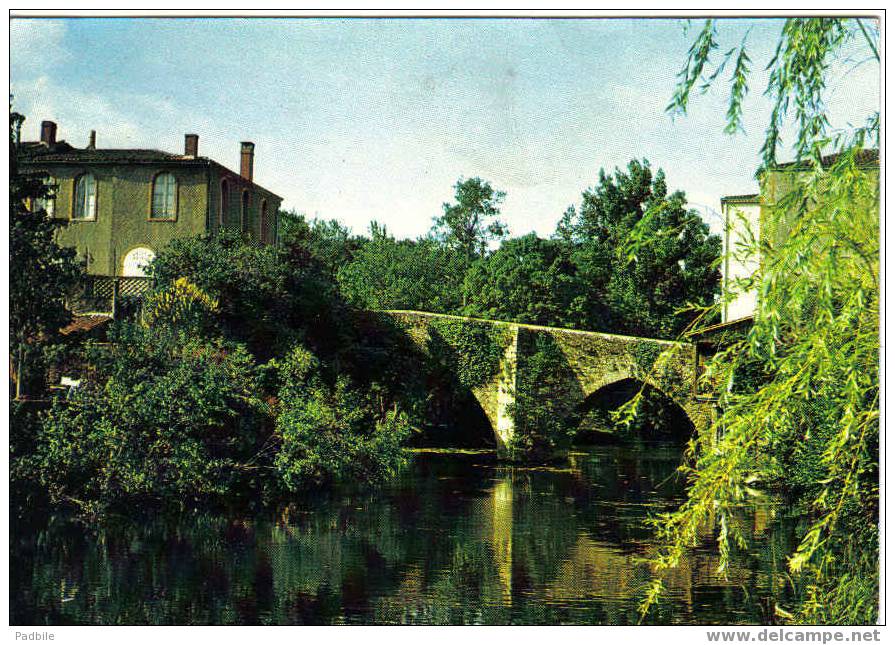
<point>799,394</point>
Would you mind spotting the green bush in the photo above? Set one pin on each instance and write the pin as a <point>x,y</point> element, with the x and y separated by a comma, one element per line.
<point>542,395</point>
<point>267,297</point>
<point>329,432</point>
<point>173,420</point>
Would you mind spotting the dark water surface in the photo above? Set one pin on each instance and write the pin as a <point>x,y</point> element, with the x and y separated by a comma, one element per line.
<point>458,539</point>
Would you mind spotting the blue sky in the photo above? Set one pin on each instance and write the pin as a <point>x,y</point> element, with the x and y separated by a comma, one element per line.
<point>376,119</point>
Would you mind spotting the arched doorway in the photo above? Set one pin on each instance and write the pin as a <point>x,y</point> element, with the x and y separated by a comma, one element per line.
<point>136,261</point>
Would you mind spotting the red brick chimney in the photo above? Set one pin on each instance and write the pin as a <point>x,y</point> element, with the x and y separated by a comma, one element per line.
<point>48,133</point>
<point>246,159</point>
<point>191,145</point>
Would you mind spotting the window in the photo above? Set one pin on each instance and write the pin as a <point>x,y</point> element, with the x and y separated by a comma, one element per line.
<point>244,215</point>
<point>85,198</point>
<point>225,202</point>
<point>265,225</point>
<point>164,196</point>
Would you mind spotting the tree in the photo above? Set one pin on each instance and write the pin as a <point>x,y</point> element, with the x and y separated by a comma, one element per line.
<point>528,279</point>
<point>800,394</point>
<point>330,243</point>
<point>640,293</point>
<point>267,296</point>
<point>174,419</point>
<point>386,273</point>
<point>330,432</point>
<point>470,223</point>
<point>41,273</point>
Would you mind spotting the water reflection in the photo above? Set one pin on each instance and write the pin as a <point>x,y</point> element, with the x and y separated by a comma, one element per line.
<point>458,539</point>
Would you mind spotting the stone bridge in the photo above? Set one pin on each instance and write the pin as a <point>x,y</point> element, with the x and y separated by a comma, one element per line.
<point>589,362</point>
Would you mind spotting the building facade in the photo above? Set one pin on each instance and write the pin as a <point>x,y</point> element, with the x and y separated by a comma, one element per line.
<point>750,226</point>
<point>742,221</point>
<point>121,206</point>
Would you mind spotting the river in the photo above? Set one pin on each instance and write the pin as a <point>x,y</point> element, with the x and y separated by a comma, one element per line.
<point>457,539</point>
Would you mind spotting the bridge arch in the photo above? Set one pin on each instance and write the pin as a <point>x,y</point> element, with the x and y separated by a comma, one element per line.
<point>592,416</point>
<point>455,416</point>
<point>648,379</point>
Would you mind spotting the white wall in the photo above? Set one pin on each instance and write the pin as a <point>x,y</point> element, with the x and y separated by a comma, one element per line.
<point>740,258</point>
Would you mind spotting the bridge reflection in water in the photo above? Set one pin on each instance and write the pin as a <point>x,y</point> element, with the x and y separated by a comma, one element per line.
<point>459,539</point>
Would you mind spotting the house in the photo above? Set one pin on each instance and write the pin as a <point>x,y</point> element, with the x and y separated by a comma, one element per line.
<point>121,206</point>
<point>742,220</point>
<point>747,232</point>
<point>747,220</point>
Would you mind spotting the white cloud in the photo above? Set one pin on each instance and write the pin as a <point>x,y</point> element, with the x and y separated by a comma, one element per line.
<point>36,46</point>
<point>74,111</point>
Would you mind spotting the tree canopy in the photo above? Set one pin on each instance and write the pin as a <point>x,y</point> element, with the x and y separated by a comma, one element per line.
<point>645,292</point>
<point>41,273</point>
<point>470,223</point>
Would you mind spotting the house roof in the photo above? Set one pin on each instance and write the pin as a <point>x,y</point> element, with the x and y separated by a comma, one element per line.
<point>738,325</point>
<point>64,153</point>
<point>85,324</point>
<point>868,157</point>
<point>865,157</point>
<point>753,198</point>
<point>61,152</point>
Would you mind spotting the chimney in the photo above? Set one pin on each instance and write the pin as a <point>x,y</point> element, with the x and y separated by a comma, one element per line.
<point>246,159</point>
<point>191,145</point>
<point>92,144</point>
<point>48,133</point>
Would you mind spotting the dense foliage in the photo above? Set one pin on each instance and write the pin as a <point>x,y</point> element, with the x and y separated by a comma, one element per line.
<point>584,277</point>
<point>542,430</point>
<point>385,273</point>
<point>528,279</point>
<point>329,432</point>
<point>800,393</point>
<point>328,242</point>
<point>267,297</point>
<point>471,350</point>
<point>36,305</point>
<point>173,420</point>
<point>640,293</point>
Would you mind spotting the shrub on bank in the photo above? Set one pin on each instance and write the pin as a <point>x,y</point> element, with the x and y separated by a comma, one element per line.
<point>174,420</point>
<point>171,419</point>
<point>329,432</point>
